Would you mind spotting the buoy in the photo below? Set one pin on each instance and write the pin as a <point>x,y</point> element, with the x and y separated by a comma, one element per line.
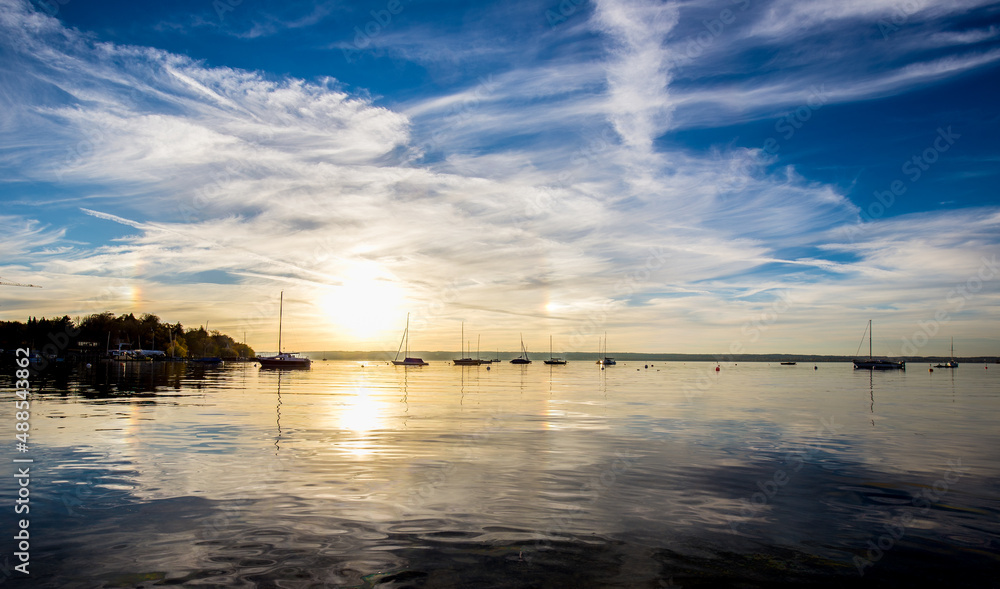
<point>487,368</point>
<point>815,367</point>
<point>647,366</point>
<point>717,369</point>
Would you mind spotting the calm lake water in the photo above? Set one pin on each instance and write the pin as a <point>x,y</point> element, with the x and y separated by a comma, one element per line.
<point>366,475</point>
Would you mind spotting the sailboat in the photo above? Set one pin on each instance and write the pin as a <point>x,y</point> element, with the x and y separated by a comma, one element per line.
<point>523,358</point>
<point>951,364</point>
<point>877,363</point>
<point>407,361</point>
<point>606,360</point>
<point>466,361</point>
<point>283,359</point>
<point>553,360</point>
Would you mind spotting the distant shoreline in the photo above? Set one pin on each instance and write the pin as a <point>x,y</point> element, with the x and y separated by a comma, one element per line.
<point>440,356</point>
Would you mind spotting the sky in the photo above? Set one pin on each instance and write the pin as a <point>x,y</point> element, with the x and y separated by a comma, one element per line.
<point>731,176</point>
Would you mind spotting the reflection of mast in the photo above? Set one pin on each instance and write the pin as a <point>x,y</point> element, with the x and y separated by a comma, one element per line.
<point>871,390</point>
<point>461,398</point>
<point>277,411</point>
<point>405,401</point>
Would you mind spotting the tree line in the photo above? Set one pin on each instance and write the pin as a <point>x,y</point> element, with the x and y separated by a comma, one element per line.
<point>101,332</point>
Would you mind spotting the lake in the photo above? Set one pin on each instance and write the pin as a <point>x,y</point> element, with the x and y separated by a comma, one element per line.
<point>362,474</point>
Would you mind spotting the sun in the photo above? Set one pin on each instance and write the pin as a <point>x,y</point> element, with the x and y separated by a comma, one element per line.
<point>368,303</point>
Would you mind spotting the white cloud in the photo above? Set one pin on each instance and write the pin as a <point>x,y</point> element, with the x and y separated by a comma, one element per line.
<point>527,203</point>
<point>638,74</point>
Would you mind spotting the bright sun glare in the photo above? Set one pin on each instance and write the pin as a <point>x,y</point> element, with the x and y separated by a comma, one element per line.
<point>367,303</point>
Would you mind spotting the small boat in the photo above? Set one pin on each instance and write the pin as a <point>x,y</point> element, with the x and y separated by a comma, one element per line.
<point>873,363</point>
<point>466,361</point>
<point>951,364</point>
<point>407,361</point>
<point>283,359</point>
<point>523,358</point>
<point>606,360</point>
<point>553,361</point>
<point>788,363</point>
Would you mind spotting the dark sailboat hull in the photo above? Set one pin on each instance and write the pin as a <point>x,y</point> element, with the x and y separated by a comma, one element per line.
<point>879,365</point>
<point>409,362</point>
<point>284,362</point>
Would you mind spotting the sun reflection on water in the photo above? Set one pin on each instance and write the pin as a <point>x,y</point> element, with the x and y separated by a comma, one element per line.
<point>361,415</point>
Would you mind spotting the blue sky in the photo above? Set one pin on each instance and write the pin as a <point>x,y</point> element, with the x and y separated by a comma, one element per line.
<point>751,176</point>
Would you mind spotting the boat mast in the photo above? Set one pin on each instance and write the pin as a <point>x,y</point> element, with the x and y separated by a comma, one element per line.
<point>281,304</point>
<point>869,339</point>
<point>406,334</point>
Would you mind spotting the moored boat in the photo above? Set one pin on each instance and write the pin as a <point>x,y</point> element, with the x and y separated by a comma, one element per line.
<point>952,363</point>
<point>873,363</point>
<point>466,361</point>
<point>553,361</point>
<point>523,358</point>
<point>407,361</point>
<point>283,359</point>
<point>605,360</point>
